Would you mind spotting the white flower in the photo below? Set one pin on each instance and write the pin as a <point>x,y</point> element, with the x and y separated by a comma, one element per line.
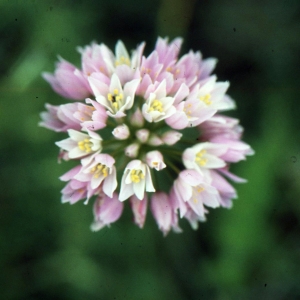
<point>81,144</point>
<point>211,94</point>
<point>192,188</point>
<point>136,179</point>
<point>114,97</point>
<point>204,156</point>
<point>97,169</point>
<point>158,106</point>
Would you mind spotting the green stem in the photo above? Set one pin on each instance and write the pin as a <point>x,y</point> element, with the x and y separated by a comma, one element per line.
<point>169,163</point>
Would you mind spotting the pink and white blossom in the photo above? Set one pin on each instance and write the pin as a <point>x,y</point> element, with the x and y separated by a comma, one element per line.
<point>68,81</point>
<point>204,156</point>
<point>171,137</point>
<point>80,144</point>
<point>60,118</point>
<point>132,150</point>
<point>158,106</point>
<point>121,132</point>
<point>155,160</point>
<point>136,180</point>
<point>114,97</point>
<point>97,169</point>
<point>164,213</point>
<point>107,210</point>
<point>139,209</point>
<point>154,121</point>
<point>92,117</point>
<point>142,135</point>
<point>192,187</point>
<point>137,118</point>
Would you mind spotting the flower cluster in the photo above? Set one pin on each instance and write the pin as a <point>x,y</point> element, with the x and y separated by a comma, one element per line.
<point>145,129</point>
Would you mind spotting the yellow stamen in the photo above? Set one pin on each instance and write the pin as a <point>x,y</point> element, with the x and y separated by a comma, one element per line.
<point>206,99</point>
<point>123,61</point>
<point>188,110</point>
<point>136,176</point>
<point>200,189</point>
<point>116,99</point>
<point>85,145</point>
<point>99,170</point>
<point>110,97</point>
<point>200,160</point>
<point>156,106</point>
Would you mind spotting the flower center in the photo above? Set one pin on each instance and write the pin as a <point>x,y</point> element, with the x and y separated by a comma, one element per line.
<point>206,99</point>
<point>85,145</point>
<point>99,170</point>
<point>197,190</point>
<point>200,160</point>
<point>87,112</point>
<point>123,61</point>
<point>156,106</point>
<point>173,71</point>
<point>136,176</point>
<point>115,99</point>
<point>188,110</point>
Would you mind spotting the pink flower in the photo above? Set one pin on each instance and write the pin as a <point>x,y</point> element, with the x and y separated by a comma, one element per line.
<point>76,190</point>
<point>94,58</point>
<point>121,132</point>
<point>227,132</point>
<point>139,209</point>
<point>132,150</point>
<point>142,135</point>
<point>97,169</point>
<point>192,187</point>
<point>91,117</point>
<point>106,211</point>
<point>164,213</point>
<point>60,118</point>
<point>171,137</point>
<point>221,126</point>
<point>68,81</point>
<point>193,218</point>
<point>194,68</point>
<point>155,160</point>
<point>137,118</point>
<point>167,54</point>
<point>226,191</point>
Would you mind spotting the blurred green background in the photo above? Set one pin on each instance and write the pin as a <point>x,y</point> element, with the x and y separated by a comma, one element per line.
<point>249,252</point>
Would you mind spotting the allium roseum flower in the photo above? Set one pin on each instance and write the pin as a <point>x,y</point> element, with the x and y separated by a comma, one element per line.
<point>146,129</point>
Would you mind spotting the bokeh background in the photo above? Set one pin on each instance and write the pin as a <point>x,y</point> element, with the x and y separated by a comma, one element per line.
<point>249,252</point>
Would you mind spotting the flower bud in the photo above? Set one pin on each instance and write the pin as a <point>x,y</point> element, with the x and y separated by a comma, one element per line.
<point>171,137</point>
<point>142,135</point>
<point>121,132</point>
<point>132,150</point>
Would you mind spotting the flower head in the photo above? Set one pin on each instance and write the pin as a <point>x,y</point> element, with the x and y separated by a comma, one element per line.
<point>147,129</point>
